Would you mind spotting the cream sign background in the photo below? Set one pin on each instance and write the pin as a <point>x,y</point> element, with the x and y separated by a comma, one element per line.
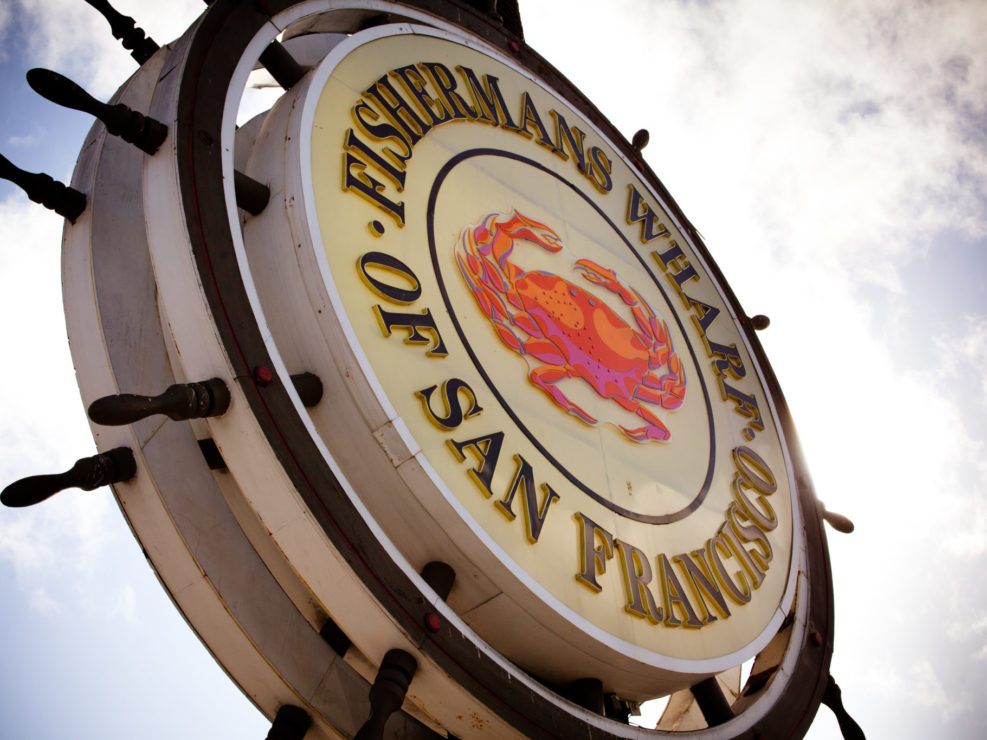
<point>681,548</point>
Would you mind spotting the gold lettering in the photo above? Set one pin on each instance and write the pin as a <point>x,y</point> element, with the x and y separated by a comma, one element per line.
<point>383,165</point>
<point>414,83</point>
<point>398,110</point>
<point>534,517</point>
<point>638,210</point>
<point>592,557</point>
<point>637,575</point>
<point>731,534</point>
<point>753,473</point>
<point>744,405</point>
<point>355,177</point>
<point>600,168</point>
<point>445,83</point>
<point>673,261</point>
<point>674,595</point>
<point>716,549</point>
<point>488,99</point>
<point>750,533</point>
<point>731,362</point>
<point>487,451</point>
<point>697,573</point>
<point>529,115</point>
<point>564,136</point>
<point>415,323</point>
<point>367,119</point>
<point>703,314</point>
<point>451,390</point>
<point>389,266</point>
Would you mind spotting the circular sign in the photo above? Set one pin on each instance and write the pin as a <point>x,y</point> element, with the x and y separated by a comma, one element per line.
<point>499,438</point>
<point>550,379</point>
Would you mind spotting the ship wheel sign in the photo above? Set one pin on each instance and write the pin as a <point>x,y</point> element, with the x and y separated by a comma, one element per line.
<point>468,435</point>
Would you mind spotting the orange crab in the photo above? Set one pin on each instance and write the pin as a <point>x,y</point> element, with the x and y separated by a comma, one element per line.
<point>571,332</point>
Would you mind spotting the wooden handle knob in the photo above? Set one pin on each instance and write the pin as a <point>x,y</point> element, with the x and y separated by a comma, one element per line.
<point>180,402</point>
<point>89,473</point>
<point>41,188</point>
<point>388,692</point>
<point>833,698</point>
<point>838,522</point>
<point>135,128</point>
<point>124,28</point>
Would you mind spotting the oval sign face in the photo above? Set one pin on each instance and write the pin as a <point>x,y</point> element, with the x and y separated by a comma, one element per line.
<point>591,429</point>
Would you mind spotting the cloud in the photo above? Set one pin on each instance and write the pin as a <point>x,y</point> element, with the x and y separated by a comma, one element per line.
<point>927,690</point>
<point>970,629</point>
<point>72,38</point>
<point>56,550</point>
<point>23,142</point>
<point>41,602</point>
<point>840,135</point>
<point>922,685</point>
<point>33,331</point>
<point>44,427</point>
<point>822,149</point>
<point>20,546</point>
<point>964,355</point>
<point>35,540</point>
<point>6,14</point>
<point>125,605</point>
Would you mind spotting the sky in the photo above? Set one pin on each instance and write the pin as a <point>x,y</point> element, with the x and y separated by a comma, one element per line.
<point>834,157</point>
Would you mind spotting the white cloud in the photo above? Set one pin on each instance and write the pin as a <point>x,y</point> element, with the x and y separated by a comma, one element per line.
<point>965,354</point>
<point>922,685</point>
<point>21,546</point>
<point>822,147</point>
<point>113,606</point>
<point>33,331</point>
<point>35,540</point>
<point>6,14</point>
<point>23,142</point>
<point>74,39</point>
<point>818,146</point>
<point>834,134</point>
<point>42,602</point>
<point>928,690</point>
<point>56,551</point>
<point>44,427</point>
<point>961,630</point>
<point>125,604</point>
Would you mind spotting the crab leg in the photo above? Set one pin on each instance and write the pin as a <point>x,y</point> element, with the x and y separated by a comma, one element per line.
<point>544,376</point>
<point>606,277</point>
<point>667,390</point>
<point>655,429</point>
<point>489,300</point>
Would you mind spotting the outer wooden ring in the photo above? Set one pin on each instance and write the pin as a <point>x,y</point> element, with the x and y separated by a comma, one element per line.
<point>214,52</point>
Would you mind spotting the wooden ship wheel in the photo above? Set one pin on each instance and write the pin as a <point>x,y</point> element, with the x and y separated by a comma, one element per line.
<point>425,401</point>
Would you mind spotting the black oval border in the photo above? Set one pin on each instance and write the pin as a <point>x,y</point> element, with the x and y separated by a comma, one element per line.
<point>430,216</point>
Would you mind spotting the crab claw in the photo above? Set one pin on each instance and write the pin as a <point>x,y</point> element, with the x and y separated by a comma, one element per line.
<point>606,277</point>
<point>651,431</point>
<point>522,227</point>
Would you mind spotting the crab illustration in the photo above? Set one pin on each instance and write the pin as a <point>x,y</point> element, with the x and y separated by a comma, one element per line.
<point>569,331</point>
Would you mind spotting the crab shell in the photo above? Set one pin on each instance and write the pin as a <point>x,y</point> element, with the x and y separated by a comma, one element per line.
<point>570,331</point>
